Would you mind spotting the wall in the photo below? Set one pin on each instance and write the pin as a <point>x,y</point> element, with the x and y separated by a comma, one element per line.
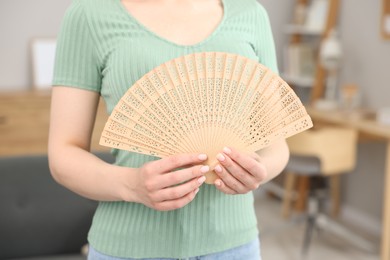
<point>367,56</point>
<point>366,63</point>
<point>20,21</point>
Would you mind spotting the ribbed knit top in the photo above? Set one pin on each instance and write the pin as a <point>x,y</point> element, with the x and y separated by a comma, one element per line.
<point>102,48</point>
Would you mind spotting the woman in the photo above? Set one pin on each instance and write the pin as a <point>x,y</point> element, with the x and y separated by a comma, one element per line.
<point>147,208</point>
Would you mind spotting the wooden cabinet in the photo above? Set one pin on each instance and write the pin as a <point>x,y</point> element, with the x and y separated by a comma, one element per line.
<point>24,123</point>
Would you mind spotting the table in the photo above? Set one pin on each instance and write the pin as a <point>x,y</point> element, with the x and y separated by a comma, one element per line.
<point>367,126</point>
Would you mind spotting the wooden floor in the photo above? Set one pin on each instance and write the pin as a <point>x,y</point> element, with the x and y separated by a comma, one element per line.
<point>282,240</point>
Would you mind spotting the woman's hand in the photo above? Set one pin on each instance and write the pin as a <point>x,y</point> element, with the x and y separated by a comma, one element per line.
<point>161,187</point>
<point>156,184</point>
<point>239,173</point>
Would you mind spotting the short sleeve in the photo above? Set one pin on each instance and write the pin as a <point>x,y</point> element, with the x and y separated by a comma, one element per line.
<point>264,44</point>
<point>76,61</point>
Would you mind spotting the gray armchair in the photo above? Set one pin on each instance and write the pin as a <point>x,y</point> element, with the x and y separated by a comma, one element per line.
<point>39,219</point>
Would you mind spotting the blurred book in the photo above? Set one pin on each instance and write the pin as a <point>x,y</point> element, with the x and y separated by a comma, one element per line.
<point>317,15</point>
<point>299,60</point>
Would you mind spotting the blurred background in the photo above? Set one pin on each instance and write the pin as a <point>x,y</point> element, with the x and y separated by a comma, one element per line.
<point>336,56</point>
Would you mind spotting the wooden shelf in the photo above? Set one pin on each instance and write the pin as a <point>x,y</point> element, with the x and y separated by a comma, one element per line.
<point>300,29</point>
<point>304,82</point>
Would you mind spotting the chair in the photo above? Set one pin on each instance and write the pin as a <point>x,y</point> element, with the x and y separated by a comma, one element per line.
<point>318,155</point>
<point>328,151</point>
<point>40,219</point>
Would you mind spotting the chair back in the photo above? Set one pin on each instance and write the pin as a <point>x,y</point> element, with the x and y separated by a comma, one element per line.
<point>335,147</point>
<point>39,217</point>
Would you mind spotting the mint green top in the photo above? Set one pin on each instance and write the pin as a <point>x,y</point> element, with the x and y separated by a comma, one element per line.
<point>102,48</point>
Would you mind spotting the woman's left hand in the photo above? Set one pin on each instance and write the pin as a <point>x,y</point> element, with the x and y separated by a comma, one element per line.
<point>239,172</point>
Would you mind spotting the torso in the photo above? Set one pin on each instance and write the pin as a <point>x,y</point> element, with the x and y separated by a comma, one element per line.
<point>116,42</point>
<point>184,22</point>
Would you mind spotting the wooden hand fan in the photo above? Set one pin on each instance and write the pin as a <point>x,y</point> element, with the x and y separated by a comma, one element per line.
<point>201,103</point>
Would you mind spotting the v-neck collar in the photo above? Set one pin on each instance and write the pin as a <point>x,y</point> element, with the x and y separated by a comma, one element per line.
<point>156,35</point>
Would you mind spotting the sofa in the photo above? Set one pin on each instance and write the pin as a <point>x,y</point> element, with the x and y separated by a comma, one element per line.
<point>40,219</point>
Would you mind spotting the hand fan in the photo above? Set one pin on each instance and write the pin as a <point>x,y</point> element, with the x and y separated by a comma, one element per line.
<point>201,103</point>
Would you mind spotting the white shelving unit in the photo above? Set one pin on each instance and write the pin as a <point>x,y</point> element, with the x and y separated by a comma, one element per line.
<point>301,29</point>
<point>309,32</point>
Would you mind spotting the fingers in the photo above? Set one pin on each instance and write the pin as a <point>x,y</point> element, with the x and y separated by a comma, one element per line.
<point>177,192</point>
<point>229,179</point>
<point>233,174</point>
<point>171,163</point>
<point>238,172</point>
<point>222,187</point>
<point>178,196</point>
<point>176,203</point>
<point>162,190</point>
<point>162,174</point>
<point>248,163</point>
<point>180,176</point>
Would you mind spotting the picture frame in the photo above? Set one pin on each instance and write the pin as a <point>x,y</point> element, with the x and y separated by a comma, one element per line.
<point>385,20</point>
<point>42,62</point>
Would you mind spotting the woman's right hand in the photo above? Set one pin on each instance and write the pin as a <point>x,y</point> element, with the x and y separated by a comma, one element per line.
<point>160,186</point>
<point>157,184</point>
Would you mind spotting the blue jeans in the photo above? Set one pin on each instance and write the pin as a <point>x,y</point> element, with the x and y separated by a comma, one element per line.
<point>249,251</point>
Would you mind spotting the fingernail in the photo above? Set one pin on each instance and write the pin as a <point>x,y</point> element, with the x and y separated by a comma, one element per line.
<point>218,183</point>
<point>220,157</point>
<point>202,157</point>
<point>204,169</point>
<point>197,190</point>
<point>218,168</point>
<point>226,150</point>
<point>201,179</point>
